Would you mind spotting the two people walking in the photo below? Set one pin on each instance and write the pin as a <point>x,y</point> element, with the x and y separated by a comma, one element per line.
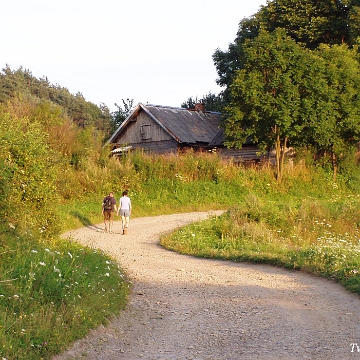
<point>109,208</point>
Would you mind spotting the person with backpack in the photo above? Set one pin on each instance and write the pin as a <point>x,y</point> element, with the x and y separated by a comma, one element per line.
<point>108,209</point>
<point>125,211</point>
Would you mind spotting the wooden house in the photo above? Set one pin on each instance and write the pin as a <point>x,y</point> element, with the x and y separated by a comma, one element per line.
<point>164,129</point>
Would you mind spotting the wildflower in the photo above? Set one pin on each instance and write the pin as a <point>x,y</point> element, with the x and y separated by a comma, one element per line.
<point>16,296</point>
<point>12,226</point>
<point>107,274</point>
<point>34,251</point>
<point>42,263</point>
<point>31,276</point>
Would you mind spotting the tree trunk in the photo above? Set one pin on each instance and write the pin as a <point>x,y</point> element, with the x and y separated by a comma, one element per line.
<point>335,166</point>
<point>278,158</point>
<point>282,157</point>
<point>280,150</point>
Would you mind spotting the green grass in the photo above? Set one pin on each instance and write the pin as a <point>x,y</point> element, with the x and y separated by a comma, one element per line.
<point>52,294</point>
<point>53,291</point>
<point>317,236</point>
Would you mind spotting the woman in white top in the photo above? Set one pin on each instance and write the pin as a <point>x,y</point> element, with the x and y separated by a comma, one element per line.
<point>125,210</point>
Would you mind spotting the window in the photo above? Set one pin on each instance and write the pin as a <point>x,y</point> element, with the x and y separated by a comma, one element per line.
<point>145,132</point>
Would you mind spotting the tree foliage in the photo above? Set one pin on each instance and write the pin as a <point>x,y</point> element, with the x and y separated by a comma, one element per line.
<point>122,112</point>
<point>28,168</point>
<point>21,84</point>
<point>288,95</point>
<point>292,77</point>
<point>211,101</point>
<point>266,101</point>
<point>310,23</point>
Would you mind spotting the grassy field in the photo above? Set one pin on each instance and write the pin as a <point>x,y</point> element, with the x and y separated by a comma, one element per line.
<point>317,233</point>
<point>53,291</point>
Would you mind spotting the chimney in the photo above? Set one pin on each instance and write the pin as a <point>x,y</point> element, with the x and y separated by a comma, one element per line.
<point>200,107</point>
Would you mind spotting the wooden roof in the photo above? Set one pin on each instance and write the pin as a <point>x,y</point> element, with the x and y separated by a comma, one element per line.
<point>185,126</point>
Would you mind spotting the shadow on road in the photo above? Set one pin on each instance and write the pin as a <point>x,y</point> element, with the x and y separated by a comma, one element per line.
<point>84,220</point>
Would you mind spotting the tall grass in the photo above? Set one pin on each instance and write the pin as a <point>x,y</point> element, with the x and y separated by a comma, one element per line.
<point>317,235</point>
<point>53,291</point>
<point>51,294</point>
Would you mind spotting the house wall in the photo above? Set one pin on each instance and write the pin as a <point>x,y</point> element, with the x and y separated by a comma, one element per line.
<point>248,153</point>
<point>142,131</point>
<point>158,147</point>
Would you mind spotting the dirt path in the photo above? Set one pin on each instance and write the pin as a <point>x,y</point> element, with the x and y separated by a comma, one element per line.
<point>188,308</point>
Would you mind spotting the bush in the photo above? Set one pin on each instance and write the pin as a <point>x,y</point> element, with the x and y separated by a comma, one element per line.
<point>28,171</point>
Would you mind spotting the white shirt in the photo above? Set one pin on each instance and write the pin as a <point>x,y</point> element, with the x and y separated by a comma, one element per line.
<point>125,203</point>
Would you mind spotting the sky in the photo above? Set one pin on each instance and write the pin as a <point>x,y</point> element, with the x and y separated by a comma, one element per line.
<point>157,52</point>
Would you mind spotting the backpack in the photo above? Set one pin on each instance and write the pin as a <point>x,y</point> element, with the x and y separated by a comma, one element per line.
<point>108,204</point>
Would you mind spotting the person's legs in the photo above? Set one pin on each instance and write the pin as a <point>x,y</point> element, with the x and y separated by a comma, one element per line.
<point>125,218</point>
<point>111,217</point>
<point>107,220</point>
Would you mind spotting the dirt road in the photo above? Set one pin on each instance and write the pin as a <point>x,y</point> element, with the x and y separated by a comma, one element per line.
<point>187,308</point>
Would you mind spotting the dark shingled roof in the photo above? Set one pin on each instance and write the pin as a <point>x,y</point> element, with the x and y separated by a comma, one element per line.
<point>185,126</point>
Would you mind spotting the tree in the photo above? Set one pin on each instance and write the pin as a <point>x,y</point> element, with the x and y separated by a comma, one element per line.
<point>211,101</point>
<point>22,84</point>
<point>308,22</point>
<point>228,62</point>
<point>337,129</point>
<point>314,22</point>
<point>122,112</point>
<point>266,103</point>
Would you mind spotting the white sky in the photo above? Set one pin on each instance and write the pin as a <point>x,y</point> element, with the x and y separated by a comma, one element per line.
<point>156,52</point>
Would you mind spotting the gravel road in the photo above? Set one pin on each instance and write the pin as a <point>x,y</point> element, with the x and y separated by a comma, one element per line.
<point>182,307</point>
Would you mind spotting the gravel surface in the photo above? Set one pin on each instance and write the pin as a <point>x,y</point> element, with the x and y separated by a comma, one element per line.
<point>182,307</point>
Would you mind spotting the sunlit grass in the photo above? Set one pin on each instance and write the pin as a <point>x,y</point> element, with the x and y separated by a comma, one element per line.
<point>53,291</point>
<point>268,232</point>
<point>51,294</point>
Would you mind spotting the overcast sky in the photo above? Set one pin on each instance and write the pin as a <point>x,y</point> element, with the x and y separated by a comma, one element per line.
<point>157,52</point>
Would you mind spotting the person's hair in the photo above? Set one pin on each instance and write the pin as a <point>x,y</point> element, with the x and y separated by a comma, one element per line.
<point>125,192</point>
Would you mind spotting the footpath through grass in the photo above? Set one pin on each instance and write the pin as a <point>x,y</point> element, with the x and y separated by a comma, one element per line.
<point>317,235</point>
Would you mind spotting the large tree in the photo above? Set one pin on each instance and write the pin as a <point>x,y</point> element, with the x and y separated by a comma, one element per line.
<point>265,95</point>
<point>314,22</point>
<point>334,128</point>
<point>286,94</point>
<point>308,22</point>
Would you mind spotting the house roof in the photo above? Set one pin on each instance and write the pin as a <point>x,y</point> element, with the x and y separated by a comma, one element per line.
<point>185,126</point>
